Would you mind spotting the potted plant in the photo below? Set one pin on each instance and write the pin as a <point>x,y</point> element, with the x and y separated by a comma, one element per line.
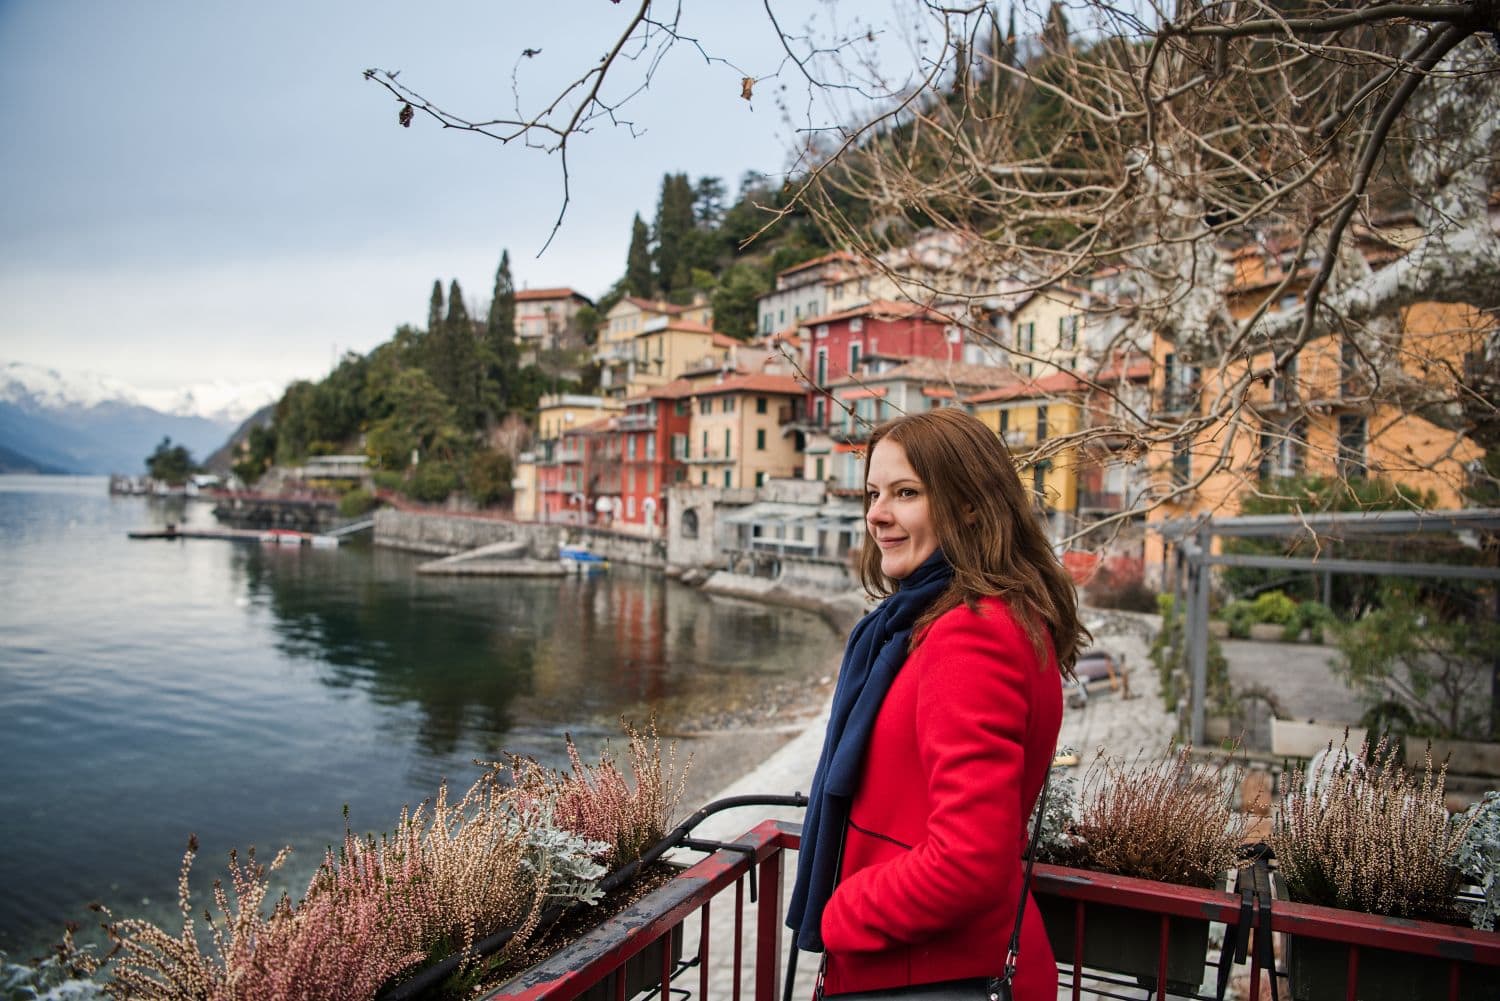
<point>420,904</point>
<point>1358,831</point>
<point>1167,819</point>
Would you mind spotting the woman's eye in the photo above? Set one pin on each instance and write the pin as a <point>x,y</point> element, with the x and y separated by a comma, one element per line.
<point>906,492</point>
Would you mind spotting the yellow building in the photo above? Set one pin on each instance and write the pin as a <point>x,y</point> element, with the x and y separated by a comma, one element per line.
<point>670,348</point>
<point>1045,331</point>
<point>560,412</point>
<point>1026,416</point>
<point>737,438</point>
<point>615,351</point>
<point>1324,415</point>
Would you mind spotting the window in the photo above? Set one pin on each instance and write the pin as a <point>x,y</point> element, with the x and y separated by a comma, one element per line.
<point>727,433</point>
<point>1067,332</point>
<point>854,357</point>
<point>1284,383</point>
<point>679,475</point>
<point>818,469</point>
<point>684,407</point>
<point>630,479</point>
<point>704,479</point>
<point>630,447</point>
<point>705,406</point>
<point>1025,336</point>
<point>760,479</point>
<point>1353,437</point>
<point>728,477</point>
<point>821,331</point>
<point>680,447</point>
<point>760,439</point>
<point>781,317</point>
<point>650,447</point>
<point>1039,482</point>
<point>821,376</point>
<point>820,410</point>
<point>1041,422</point>
<point>1349,381</point>
<point>1004,422</point>
<point>796,312</point>
<point>1182,463</point>
<point>630,508</point>
<point>705,444</point>
<point>760,404</point>
<point>690,524</point>
<point>728,405</point>
<point>856,325</point>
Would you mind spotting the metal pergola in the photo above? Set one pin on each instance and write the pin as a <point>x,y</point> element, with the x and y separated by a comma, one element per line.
<point>1193,541</point>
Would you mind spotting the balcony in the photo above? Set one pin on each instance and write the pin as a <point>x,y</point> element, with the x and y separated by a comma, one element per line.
<point>1100,500</point>
<point>637,422</point>
<point>1088,915</point>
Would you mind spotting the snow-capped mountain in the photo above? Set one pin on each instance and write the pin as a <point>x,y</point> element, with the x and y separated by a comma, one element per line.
<point>85,423</point>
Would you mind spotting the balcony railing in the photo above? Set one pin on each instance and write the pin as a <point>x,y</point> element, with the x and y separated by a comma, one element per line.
<point>1460,962</point>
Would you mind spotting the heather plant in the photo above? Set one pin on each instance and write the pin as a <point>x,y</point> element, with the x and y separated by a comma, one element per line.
<point>1362,833</point>
<point>449,874</point>
<point>1479,858</point>
<point>597,802</point>
<point>1165,818</point>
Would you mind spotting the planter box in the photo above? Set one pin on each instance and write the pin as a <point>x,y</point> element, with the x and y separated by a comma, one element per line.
<point>1266,631</point>
<point>1218,628</point>
<point>1127,941</point>
<point>1465,757</point>
<point>1319,968</point>
<point>1295,739</point>
<point>642,971</point>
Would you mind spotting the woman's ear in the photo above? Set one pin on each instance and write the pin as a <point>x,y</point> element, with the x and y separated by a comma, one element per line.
<point>970,514</point>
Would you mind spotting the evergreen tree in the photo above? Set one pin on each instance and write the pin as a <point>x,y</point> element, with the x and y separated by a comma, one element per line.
<point>503,353</point>
<point>435,307</point>
<point>708,202</point>
<point>674,224</point>
<point>464,368</point>
<point>638,278</point>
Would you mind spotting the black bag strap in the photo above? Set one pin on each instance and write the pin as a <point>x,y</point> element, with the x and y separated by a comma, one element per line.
<point>1014,950</point>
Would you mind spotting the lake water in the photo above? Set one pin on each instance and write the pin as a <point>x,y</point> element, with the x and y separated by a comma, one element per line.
<point>150,690</point>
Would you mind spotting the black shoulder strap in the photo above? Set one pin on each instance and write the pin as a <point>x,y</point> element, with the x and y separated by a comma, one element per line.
<point>1036,835</point>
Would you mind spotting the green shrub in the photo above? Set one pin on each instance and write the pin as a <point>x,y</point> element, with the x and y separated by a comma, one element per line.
<point>1275,608</point>
<point>432,482</point>
<point>1240,615</point>
<point>357,502</point>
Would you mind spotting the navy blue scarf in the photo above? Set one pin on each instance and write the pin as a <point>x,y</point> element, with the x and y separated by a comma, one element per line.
<point>876,650</point>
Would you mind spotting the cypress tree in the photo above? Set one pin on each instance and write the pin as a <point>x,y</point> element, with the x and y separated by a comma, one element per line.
<point>674,223</point>
<point>504,354</point>
<point>435,307</point>
<point>638,278</point>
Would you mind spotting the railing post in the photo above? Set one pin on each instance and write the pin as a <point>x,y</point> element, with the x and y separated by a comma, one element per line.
<point>768,928</point>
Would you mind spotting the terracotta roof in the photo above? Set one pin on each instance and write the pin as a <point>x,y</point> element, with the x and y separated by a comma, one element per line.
<point>864,394</point>
<point>532,294</point>
<point>725,341</point>
<point>880,309</point>
<point>837,255</point>
<point>665,308</point>
<point>754,382</point>
<point>1051,385</point>
<point>669,391</point>
<point>943,373</point>
<point>1132,370</point>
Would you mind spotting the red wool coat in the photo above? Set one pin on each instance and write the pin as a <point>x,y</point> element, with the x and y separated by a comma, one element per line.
<point>932,864</point>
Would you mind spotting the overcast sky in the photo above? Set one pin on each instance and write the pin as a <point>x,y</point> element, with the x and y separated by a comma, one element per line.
<point>201,191</point>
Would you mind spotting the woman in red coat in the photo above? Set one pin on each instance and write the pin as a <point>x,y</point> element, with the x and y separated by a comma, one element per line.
<point>943,727</point>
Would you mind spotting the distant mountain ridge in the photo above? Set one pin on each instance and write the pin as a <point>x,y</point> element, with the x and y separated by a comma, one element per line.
<point>81,423</point>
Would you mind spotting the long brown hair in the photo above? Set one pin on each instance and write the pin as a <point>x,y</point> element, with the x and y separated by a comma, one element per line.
<point>984,523</point>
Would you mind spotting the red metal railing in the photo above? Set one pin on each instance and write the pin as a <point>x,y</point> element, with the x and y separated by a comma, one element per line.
<point>1467,962</point>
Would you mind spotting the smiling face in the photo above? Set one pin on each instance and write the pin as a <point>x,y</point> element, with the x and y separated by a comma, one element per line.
<point>897,515</point>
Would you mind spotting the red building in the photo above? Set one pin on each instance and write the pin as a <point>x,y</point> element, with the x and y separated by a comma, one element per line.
<point>653,433</point>
<point>838,341</point>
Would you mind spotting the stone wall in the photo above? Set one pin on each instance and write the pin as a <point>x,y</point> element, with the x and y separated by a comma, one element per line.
<point>445,534</point>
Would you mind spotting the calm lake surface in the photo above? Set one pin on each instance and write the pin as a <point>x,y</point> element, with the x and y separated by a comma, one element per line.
<point>151,690</point>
